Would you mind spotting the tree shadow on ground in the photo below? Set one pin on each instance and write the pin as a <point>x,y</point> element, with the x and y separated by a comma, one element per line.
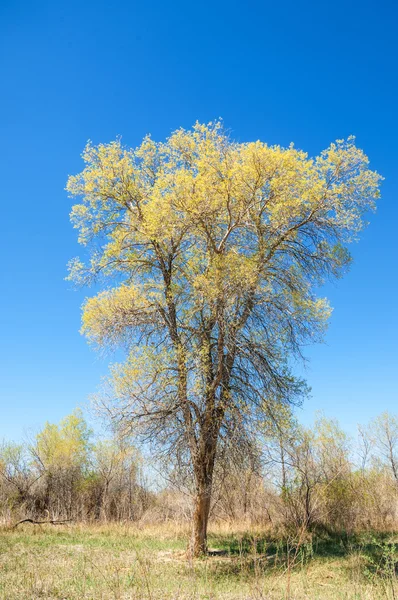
<point>250,552</point>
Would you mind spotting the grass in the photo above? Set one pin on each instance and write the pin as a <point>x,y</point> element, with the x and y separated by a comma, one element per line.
<point>149,563</point>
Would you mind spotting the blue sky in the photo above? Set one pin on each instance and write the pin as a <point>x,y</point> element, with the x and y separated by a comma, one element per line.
<point>307,72</point>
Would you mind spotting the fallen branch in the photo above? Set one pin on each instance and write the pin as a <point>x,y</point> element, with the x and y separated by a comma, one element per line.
<point>52,522</point>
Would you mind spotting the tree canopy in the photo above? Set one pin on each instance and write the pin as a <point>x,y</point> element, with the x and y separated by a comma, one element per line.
<point>212,252</point>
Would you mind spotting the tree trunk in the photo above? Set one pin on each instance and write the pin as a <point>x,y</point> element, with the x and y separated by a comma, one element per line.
<point>203,455</point>
<point>200,520</point>
<point>204,482</point>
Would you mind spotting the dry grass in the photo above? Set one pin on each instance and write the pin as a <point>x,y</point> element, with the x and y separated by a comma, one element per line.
<point>133,562</point>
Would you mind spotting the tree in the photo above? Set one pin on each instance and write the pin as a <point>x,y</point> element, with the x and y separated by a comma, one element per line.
<point>61,454</point>
<point>385,433</point>
<point>116,467</point>
<point>215,249</point>
<point>15,470</point>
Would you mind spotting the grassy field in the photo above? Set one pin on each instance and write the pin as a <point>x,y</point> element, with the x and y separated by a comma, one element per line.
<point>130,562</point>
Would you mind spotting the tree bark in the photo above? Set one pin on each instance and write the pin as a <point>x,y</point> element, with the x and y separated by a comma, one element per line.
<point>203,468</point>
<point>200,521</point>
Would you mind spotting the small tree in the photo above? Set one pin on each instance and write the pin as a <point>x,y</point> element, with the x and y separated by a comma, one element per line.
<point>16,476</point>
<point>61,454</point>
<point>385,439</point>
<point>214,248</point>
<point>116,466</point>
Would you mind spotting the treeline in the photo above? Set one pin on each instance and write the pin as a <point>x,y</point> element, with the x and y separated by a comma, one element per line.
<point>64,474</point>
<point>296,477</point>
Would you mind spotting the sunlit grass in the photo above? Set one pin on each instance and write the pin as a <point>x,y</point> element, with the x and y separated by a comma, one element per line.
<point>137,562</point>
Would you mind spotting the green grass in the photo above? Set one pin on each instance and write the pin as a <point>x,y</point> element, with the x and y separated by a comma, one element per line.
<point>129,562</point>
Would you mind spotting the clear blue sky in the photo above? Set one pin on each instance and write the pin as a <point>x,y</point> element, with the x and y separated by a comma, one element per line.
<point>307,72</point>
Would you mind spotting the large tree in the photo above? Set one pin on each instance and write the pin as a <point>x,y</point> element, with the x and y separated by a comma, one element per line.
<point>215,251</point>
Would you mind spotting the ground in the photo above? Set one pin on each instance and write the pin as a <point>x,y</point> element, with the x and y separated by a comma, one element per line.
<point>149,563</point>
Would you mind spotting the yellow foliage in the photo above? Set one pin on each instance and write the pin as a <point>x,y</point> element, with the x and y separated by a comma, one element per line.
<point>66,445</point>
<point>215,250</point>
